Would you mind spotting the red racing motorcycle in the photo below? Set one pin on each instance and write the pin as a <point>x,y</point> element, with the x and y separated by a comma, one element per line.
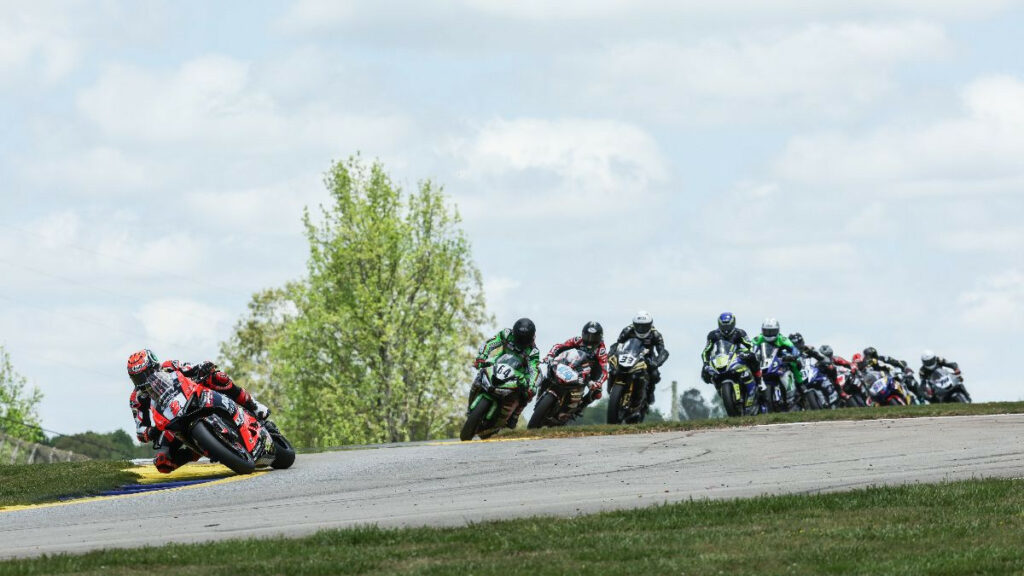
<point>213,424</point>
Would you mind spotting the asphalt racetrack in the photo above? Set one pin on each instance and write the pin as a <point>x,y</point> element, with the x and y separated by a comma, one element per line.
<point>451,483</point>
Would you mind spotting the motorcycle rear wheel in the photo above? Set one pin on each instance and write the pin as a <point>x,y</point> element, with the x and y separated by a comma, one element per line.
<point>543,410</point>
<point>615,404</point>
<point>216,450</point>
<point>475,418</point>
<point>284,452</point>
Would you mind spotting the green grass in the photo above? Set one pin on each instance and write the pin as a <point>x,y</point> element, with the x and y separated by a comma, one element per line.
<point>872,413</point>
<point>971,527</point>
<point>34,483</point>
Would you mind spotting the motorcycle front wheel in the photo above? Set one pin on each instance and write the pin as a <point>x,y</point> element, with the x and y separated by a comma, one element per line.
<point>475,418</point>
<point>615,404</point>
<point>217,449</point>
<point>545,409</point>
<point>812,400</point>
<point>733,405</point>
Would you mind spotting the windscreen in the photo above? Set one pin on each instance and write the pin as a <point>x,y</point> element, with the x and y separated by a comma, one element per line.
<point>723,347</point>
<point>162,387</point>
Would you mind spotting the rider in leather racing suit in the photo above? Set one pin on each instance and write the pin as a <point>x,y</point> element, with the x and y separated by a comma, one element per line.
<point>591,341</point>
<point>171,453</point>
<point>728,331</point>
<point>898,369</point>
<point>643,329</point>
<point>929,364</point>
<point>790,355</point>
<point>521,341</point>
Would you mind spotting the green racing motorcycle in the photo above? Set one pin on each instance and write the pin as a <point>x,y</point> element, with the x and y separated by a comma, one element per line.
<point>495,394</point>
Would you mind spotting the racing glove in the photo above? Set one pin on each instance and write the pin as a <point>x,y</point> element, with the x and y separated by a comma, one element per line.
<point>258,408</point>
<point>707,374</point>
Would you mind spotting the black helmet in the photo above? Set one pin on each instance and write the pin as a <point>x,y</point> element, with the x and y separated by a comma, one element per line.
<point>592,333</point>
<point>797,339</point>
<point>726,323</point>
<point>870,353</point>
<point>826,351</point>
<point>523,333</point>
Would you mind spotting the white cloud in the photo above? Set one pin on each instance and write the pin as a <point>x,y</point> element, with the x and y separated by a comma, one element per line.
<point>618,10</point>
<point>183,323</point>
<point>996,304</point>
<point>36,37</point>
<point>818,71</point>
<point>275,209</point>
<point>317,15</point>
<point>97,170</point>
<point>558,168</point>
<point>216,101</point>
<point>978,151</point>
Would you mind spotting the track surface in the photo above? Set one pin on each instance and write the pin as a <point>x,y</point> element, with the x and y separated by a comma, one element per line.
<point>451,484</point>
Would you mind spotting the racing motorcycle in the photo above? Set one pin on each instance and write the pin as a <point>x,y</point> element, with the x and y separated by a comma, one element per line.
<point>854,394</point>
<point>627,389</point>
<point>213,424</point>
<point>883,389</point>
<point>774,373</point>
<point>819,393</point>
<point>947,386</point>
<point>908,382</point>
<point>732,378</point>
<point>497,391</point>
<point>564,382</point>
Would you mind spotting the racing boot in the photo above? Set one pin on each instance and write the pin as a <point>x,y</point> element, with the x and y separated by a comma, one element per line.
<point>513,419</point>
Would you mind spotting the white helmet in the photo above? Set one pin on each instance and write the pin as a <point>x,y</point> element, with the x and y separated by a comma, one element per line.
<point>642,323</point>
<point>928,358</point>
<point>770,328</point>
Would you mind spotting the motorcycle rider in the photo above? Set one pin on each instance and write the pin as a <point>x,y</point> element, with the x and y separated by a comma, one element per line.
<point>727,331</point>
<point>519,340</point>
<point>171,452</point>
<point>803,348</point>
<point>929,364</point>
<point>790,355</point>
<point>591,341</point>
<point>643,329</point>
<point>871,360</point>
<point>897,369</point>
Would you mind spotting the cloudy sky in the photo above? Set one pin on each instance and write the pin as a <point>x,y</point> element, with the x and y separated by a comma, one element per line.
<point>852,168</point>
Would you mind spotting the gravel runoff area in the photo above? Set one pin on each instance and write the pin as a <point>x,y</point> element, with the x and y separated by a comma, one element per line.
<point>451,483</point>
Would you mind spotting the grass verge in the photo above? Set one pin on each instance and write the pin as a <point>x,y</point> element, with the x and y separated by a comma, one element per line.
<point>970,527</point>
<point>872,413</point>
<point>36,483</point>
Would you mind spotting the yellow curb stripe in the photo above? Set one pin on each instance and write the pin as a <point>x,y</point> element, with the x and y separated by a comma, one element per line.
<point>120,496</point>
<point>459,443</point>
<point>150,475</point>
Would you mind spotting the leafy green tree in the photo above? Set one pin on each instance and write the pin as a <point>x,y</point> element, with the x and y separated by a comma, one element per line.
<point>246,355</point>
<point>19,408</point>
<point>116,445</point>
<point>374,345</point>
